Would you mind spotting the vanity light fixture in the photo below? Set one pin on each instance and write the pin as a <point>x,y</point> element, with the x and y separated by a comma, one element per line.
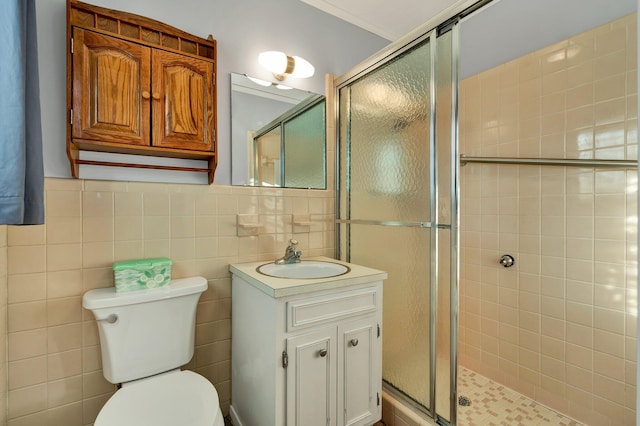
<point>268,83</point>
<point>282,65</point>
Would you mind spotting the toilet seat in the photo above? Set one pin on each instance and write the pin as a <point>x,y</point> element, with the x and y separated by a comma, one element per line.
<point>176,398</point>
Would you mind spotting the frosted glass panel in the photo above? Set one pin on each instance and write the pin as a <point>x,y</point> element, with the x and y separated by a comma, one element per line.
<point>404,253</point>
<point>268,158</point>
<point>384,176</point>
<point>304,146</point>
<point>389,145</point>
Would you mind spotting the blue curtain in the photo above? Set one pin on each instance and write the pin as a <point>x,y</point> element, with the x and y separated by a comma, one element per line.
<point>21,169</point>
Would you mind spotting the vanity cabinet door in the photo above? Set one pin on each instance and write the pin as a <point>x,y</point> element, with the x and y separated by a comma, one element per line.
<point>111,87</point>
<point>183,110</point>
<point>359,372</point>
<point>311,378</point>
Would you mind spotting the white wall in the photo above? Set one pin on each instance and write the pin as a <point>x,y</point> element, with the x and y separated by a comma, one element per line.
<point>243,28</point>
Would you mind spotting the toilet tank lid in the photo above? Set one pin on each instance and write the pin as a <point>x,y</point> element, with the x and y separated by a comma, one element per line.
<point>108,297</point>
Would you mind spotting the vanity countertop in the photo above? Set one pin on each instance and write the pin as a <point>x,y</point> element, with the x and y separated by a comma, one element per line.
<point>280,287</point>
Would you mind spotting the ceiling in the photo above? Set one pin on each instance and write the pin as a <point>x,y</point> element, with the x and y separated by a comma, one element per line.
<point>388,19</point>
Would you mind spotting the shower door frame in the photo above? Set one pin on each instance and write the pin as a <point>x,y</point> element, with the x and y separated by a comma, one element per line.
<point>446,21</point>
<point>433,199</point>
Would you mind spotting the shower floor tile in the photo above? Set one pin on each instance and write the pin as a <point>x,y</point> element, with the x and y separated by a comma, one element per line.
<point>494,404</point>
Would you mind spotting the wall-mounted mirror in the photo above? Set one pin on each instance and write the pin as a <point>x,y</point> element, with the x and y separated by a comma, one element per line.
<point>277,134</point>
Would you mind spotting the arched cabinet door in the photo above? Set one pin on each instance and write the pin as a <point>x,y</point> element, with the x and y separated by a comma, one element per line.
<point>110,80</point>
<point>182,99</point>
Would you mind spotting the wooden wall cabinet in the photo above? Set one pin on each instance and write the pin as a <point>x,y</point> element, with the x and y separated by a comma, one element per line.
<point>137,86</point>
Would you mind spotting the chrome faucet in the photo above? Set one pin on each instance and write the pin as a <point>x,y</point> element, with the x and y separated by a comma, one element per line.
<point>291,255</point>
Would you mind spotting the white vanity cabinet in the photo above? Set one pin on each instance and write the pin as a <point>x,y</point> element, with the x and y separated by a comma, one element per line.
<point>306,352</point>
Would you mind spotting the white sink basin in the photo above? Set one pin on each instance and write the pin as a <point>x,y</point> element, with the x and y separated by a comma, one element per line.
<point>307,269</point>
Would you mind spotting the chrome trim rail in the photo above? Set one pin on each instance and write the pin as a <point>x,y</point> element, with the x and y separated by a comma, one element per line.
<point>565,162</point>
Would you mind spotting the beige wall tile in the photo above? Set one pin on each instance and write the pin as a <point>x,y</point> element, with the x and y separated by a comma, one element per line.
<point>156,204</point>
<point>64,229</point>
<point>97,204</point>
<point>26,259</point>
<point>94,384</point>
<point>157,227</point>
<point>26,287</point>
<point>65,337</point>
<point>125,250</point>
<point>27,400</point>
<point>26,235</point>
<point>61,257</point>
<point>64,364</point>
<point>27,372</point>
<point>27,344</point>
<point>99,228</point>
<point>87,230</point>
<point>128,228</point>
<point>69,415</point>
<point>91,359</point>
<point>65,391</point>
<point>97,255</point>
<point>64,311</point>
<point>26,316</point>
<point>63,203</point>
<point>128,204</point>
<point>37,419</point>
<point>64,283</point>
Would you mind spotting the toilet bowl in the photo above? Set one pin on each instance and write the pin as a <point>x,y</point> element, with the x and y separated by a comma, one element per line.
<point>177,398</point>
<point>145,336</point>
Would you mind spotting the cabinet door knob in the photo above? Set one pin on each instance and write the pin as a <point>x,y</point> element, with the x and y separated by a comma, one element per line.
<point>354,342</point>
<point>146,95</point>
<point>156,96</point>
<point>322,352</point>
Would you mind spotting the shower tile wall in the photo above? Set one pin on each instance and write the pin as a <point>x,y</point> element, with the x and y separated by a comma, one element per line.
<point>559,326</point>
<point>54,367</point>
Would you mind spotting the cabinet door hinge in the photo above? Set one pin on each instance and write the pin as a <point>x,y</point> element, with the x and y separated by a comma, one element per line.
<point>378,330</point>
<point>285,359</point>
<point>378,399</point>
<point>71,116</point>
<point>71,47</point>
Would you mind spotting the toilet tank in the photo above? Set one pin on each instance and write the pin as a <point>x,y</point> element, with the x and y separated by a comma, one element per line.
<point>154,331</point>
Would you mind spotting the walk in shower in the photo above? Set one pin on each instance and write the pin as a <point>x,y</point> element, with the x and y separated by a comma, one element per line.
<point>447,162</point>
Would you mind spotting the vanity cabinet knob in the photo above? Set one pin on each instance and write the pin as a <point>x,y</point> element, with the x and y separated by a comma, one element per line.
<point>354,342</point>
<point>322,353</point>
<point>146,95</point>
<point>156,96</point>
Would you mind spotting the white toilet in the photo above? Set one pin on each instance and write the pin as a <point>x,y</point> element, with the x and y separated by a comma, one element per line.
<point>145,337</point>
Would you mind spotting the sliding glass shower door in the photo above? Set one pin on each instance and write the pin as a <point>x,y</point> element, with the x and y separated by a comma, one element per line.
<point>395,158</point>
